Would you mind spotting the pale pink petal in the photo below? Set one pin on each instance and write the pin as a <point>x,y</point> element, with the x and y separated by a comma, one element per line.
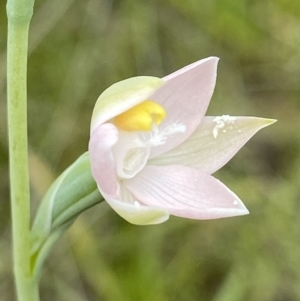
<point>185,192</point>
<point>122,96</point>
<point>128,207</point>
<point>213,143</point>
<point>185,97</point>
<point>103,164</point>
<point>187,68</point>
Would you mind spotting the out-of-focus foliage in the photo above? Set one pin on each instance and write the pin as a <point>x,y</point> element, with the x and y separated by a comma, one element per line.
<point>77,49</point>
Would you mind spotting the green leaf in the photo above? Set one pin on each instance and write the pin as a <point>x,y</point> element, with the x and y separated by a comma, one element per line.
<point>73,192</point>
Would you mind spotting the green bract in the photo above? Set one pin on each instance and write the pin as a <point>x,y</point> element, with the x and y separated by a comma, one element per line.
<point>73,192</point>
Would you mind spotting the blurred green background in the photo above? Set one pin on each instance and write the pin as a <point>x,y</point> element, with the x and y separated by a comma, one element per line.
<point>79,48</point>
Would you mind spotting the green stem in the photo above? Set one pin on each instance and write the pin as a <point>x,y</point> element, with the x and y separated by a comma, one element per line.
<point>19,14</point>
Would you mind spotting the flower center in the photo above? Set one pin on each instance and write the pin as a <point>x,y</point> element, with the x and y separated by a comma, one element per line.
<point>133,159</point>
<point>139,131</point>
<point>141,117</point>
<point>131,154</point>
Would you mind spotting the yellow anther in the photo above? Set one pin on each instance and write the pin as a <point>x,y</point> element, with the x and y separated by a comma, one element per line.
<point>141,117</point>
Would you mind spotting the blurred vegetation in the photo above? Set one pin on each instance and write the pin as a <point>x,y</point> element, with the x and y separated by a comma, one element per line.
<point>77,49</point>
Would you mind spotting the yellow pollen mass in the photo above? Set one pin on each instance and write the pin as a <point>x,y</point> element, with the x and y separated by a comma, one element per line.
<point>141,117</point>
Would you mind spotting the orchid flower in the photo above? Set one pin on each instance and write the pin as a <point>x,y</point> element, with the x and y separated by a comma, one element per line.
<point>152,151</point>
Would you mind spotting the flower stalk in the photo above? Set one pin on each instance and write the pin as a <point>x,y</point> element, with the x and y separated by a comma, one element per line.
<point>19,13</point>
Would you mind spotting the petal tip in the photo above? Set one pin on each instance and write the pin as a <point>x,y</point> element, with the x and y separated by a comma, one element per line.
<point>237,209</point>
<point>264,122</point>
<point>244,211</point>
<point>240,209</point>
<point>229,212</point>
<point>214,58</point>
<point>270,121</point>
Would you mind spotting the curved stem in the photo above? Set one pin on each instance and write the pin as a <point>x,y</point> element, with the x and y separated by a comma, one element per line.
<point>19,14</point>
